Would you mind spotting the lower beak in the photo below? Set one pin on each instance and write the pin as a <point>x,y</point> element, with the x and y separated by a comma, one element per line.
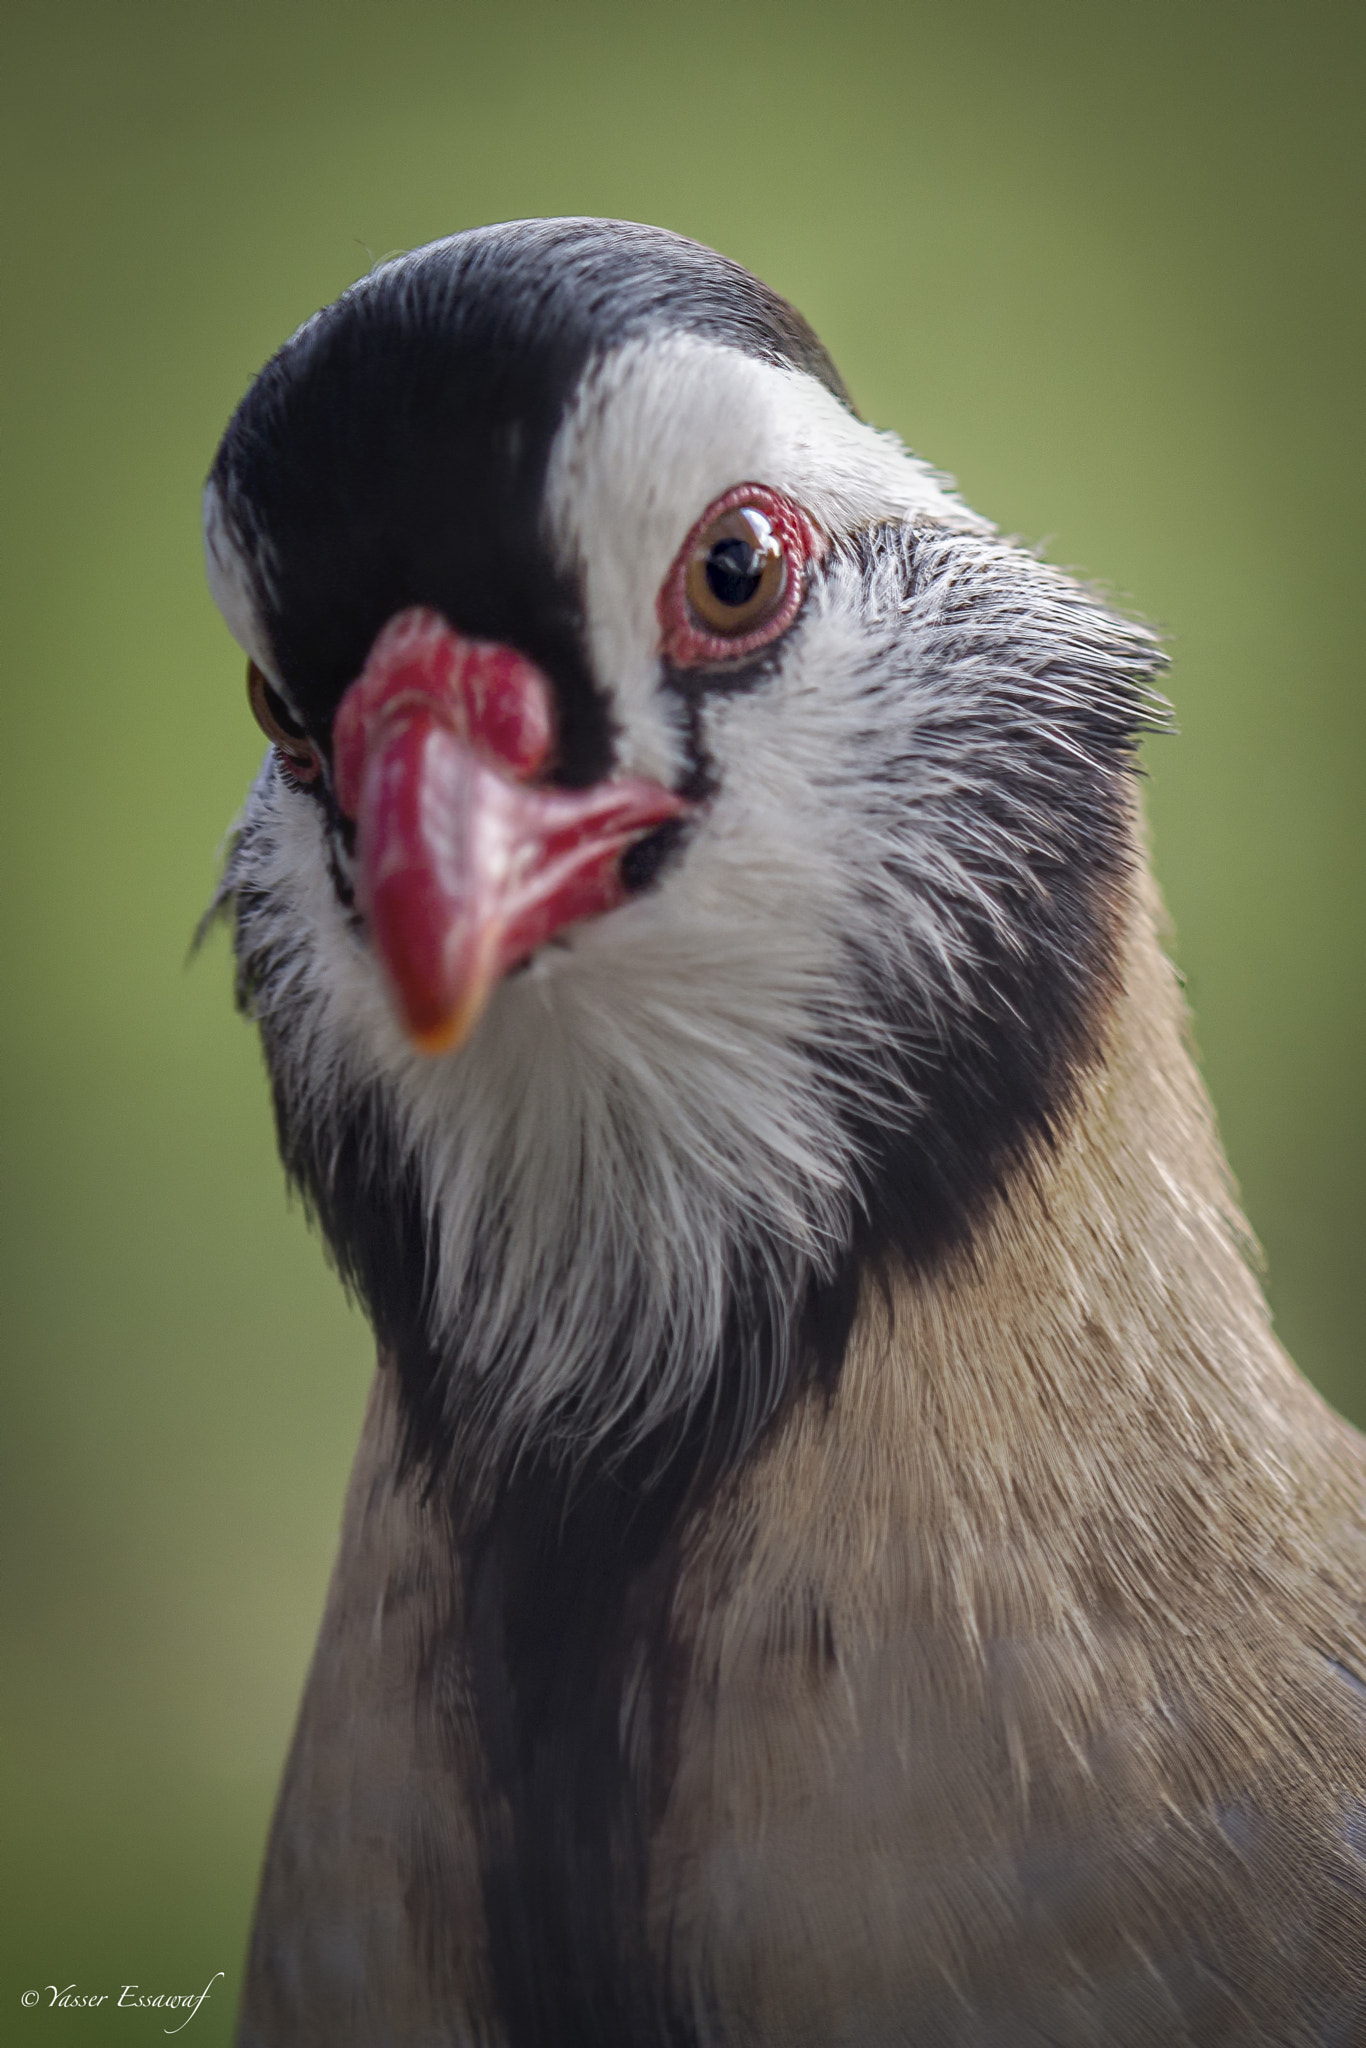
<point>465,863</point>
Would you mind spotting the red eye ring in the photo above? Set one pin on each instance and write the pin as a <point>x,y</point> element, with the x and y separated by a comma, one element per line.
<point>686,640</point>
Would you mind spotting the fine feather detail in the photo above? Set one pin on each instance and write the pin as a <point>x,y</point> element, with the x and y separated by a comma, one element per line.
<point>678,1100</point>
<point>1010,1686</point>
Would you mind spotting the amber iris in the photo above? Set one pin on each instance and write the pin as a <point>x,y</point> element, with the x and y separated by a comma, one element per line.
<point>297,753</point>
<point>737,573</point>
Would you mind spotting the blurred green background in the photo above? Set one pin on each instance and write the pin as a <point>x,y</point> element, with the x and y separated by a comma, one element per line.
<point>1102,262</point>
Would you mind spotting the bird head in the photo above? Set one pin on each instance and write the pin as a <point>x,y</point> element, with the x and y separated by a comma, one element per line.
<point>687,870</point>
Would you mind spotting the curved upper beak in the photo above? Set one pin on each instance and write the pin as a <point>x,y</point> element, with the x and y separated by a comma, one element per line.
<point>467,862</point>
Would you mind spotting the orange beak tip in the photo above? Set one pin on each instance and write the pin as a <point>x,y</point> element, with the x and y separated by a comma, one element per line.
<point>449,1033</point>
<point>444,1028</point>
<point>431,1040</point>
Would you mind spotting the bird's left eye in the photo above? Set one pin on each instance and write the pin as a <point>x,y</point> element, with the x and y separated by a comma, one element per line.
<point>294,750</point>
<point>738,580</point>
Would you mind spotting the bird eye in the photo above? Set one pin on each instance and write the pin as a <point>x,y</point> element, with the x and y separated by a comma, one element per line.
<point>739,578</point>
<point>298,755</point>
<point>737,574</point>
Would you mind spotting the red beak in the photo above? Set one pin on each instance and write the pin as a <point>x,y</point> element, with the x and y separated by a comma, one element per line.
<point>467,863</point>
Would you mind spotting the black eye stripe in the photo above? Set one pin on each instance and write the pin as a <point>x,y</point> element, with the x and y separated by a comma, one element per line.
<point>394,452</point>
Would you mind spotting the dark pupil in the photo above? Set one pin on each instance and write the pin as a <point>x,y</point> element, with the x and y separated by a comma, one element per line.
<point>734,569</point>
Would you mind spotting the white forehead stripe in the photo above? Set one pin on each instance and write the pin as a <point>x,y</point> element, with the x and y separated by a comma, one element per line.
<point>656,432</point>
<point>231,588</point>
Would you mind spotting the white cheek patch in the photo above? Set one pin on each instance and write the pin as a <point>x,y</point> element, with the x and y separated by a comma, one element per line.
<point>631,1111</point>
<point>232,587</point>
<point>660,429</point>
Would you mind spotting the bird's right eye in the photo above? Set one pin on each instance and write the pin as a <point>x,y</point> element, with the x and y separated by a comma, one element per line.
<point>737,572</point>
<point>739,578</point>
<point>297,754</point>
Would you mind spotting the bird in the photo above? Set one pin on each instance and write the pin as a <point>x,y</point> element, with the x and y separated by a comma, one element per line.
<point>836,1553</point>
